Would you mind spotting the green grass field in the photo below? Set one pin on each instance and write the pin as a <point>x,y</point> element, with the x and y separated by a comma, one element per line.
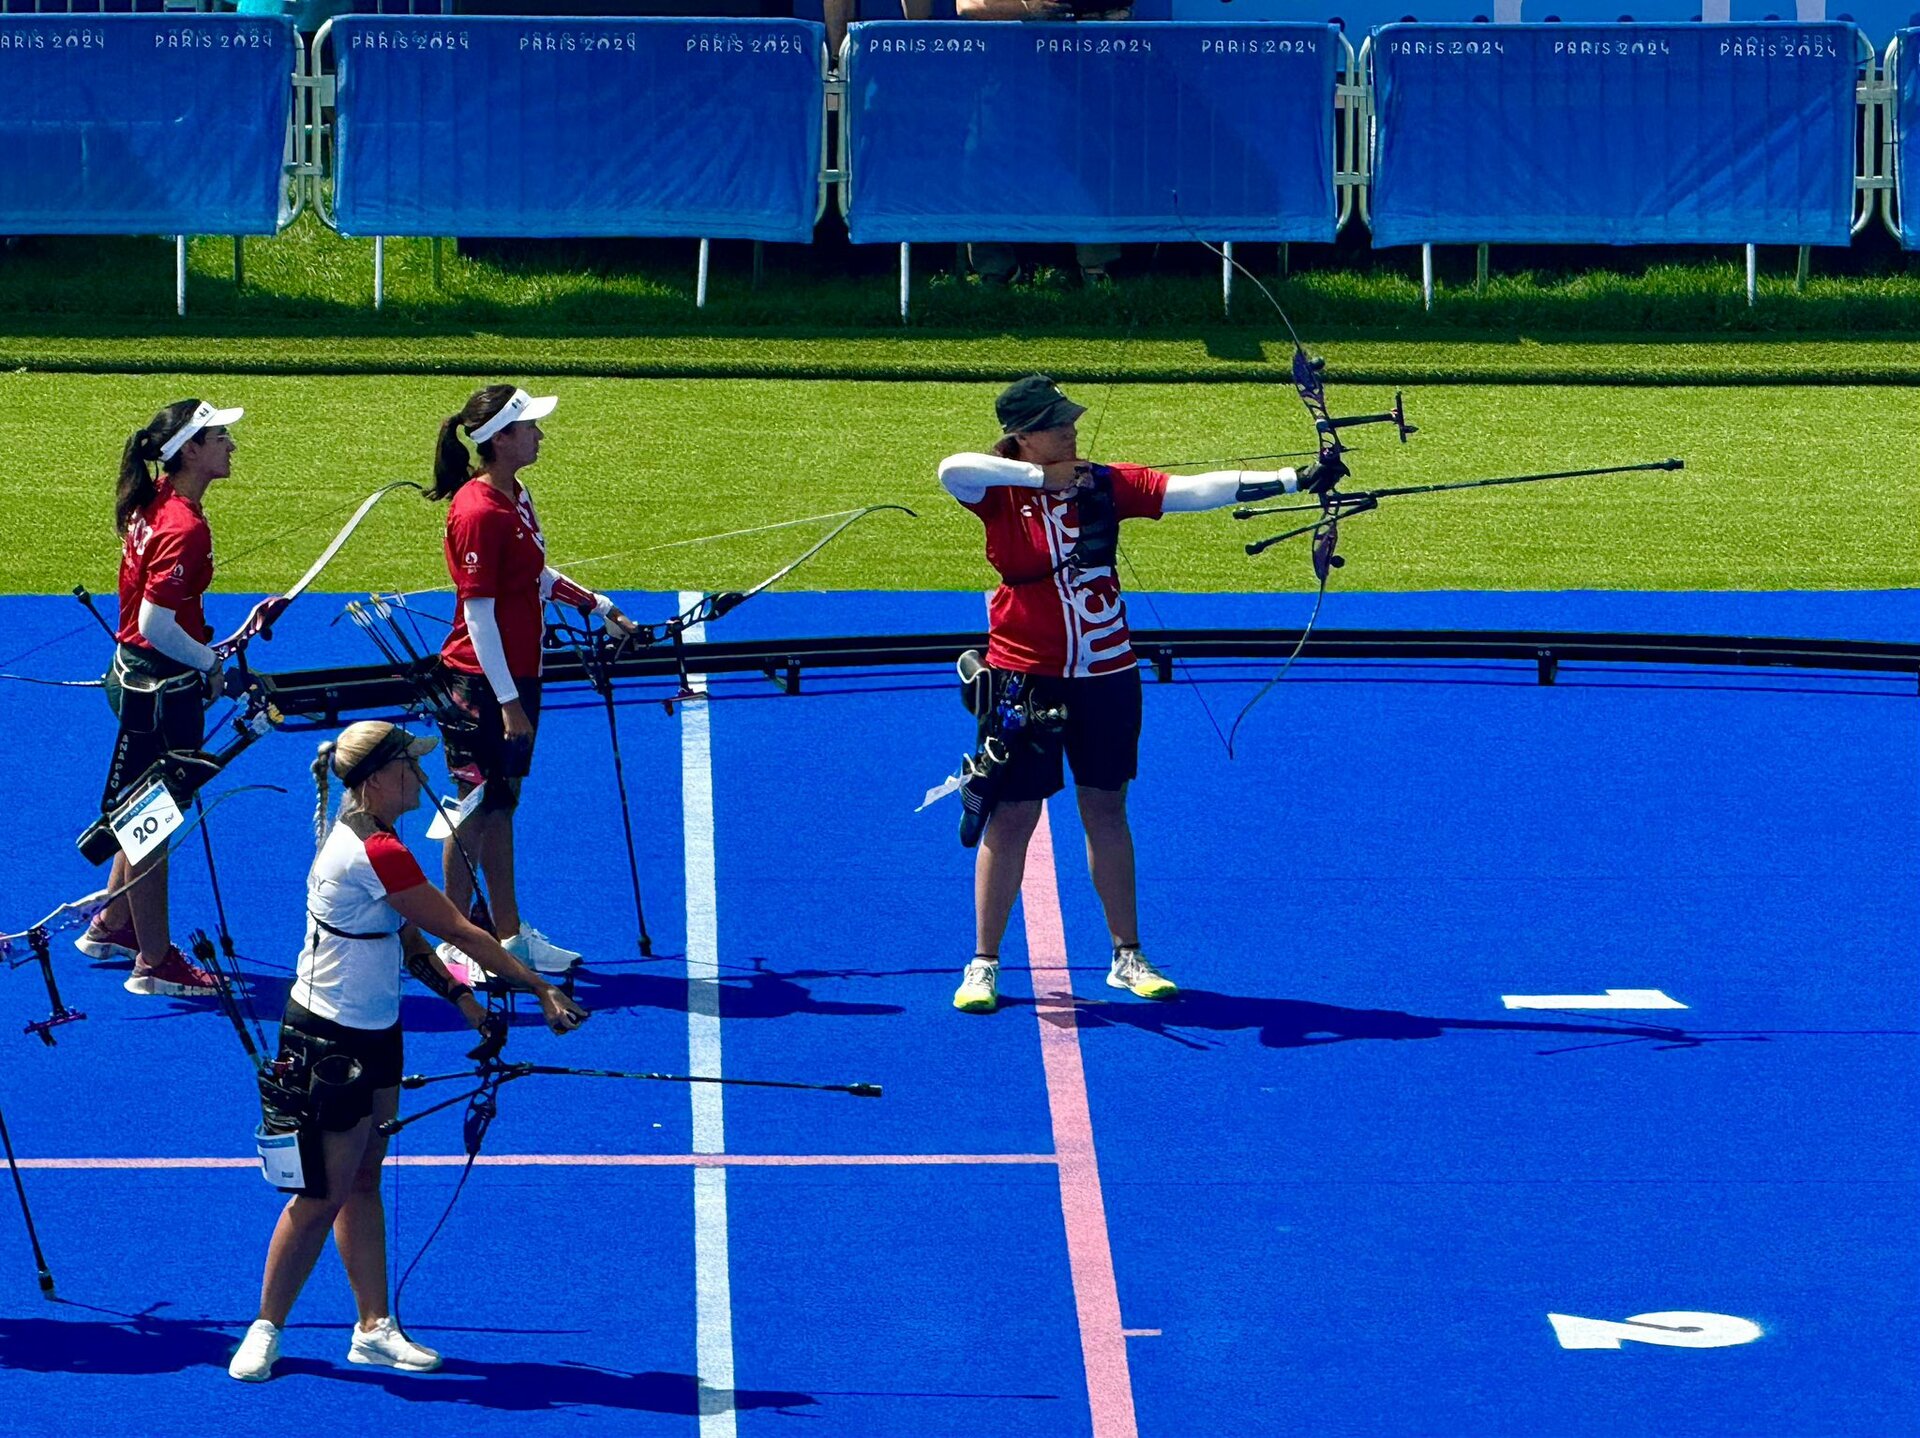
<point>1785,487</point>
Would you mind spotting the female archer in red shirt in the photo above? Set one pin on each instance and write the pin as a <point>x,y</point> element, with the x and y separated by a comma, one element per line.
<point>164,671</point>
<point>1059,649</point>
<point>497,558</point>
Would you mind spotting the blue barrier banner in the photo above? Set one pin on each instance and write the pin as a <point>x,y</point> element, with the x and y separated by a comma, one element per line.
<point>508,126</point>
<point>1614,134</point>
<point>1907,135</point>
<point>1100,133</point>
<point>143,124</point>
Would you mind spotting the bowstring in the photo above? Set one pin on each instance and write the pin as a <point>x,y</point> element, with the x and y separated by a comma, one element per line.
<point>1330,444</point>
<point>1133,572</point>
<point>499,1004</point>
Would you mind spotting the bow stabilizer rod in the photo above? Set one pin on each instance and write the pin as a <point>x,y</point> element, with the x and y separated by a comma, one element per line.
<point>1397,416</point>
<point>489,1077</point>
<point>1337,505</point>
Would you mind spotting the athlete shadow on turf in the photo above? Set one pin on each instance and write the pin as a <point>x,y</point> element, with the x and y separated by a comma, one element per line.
<point>1299,1023</point>
<point>141,1345</point>
<point>542,1387</point>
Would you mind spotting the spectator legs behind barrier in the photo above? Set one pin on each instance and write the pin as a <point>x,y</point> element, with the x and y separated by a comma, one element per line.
<point>999,264</point>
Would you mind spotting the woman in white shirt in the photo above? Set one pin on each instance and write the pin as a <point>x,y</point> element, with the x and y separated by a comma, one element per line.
<point>367,903</point>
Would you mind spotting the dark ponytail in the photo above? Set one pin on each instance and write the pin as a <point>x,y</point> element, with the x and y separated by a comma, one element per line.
<point>137,488</point>
<point>1007,446</point>
<point>451,466</point>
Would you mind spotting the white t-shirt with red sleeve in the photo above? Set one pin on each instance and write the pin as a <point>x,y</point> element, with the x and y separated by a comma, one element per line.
<point>495,551</point>
<point>166,557</point>
<point>349,970</point>
<point>1047,618</point>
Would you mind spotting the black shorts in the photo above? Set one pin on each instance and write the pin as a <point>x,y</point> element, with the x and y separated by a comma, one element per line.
<point>380,1051</point>
<point>476,736</point>
<point>1100,739</point>
<point>161,708</point>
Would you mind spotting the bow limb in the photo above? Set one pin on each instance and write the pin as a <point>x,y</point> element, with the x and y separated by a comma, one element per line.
<point>714,606</point>
<point>261,619</point>
<point>69,915</point>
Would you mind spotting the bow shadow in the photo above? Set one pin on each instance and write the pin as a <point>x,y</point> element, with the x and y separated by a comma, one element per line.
<point>761,994</point>
<point>517,1387</point>
<point>1300,1023</point>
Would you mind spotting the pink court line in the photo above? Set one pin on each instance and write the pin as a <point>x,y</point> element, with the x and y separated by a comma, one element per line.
<point>588,1160</point>
<point>1096,1293</point>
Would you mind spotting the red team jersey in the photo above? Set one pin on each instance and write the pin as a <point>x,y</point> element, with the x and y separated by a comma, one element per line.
<point>1070,623</point>
<point>167,557</point>
<point>495,551</point>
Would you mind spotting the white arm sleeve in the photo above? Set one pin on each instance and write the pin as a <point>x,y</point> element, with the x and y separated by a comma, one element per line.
<point>968,477</point>
<point>485,631</point>
<point>161,628</point>
<point>1190,492</point>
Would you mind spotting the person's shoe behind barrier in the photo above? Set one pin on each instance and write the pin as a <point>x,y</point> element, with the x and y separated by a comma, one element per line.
<point>107,945</point>
<point>979,991</point>
<point>1132,972</point>
<point>540,953</point>
<point>174,976</point>
<point>254,1359</point>
<point>385,1346</point>
<point>460,968</point>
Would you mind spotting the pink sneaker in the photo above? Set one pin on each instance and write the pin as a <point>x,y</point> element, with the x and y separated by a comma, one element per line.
<point>174,976</point>
<point>108,944</point>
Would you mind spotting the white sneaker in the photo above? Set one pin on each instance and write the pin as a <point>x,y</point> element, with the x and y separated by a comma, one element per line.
<point>387,1347</point>
<point>1132,972</point>
<point>462,969</point>
<point>253,1360</point>
<point>540,953</point>
<point>979,991</point>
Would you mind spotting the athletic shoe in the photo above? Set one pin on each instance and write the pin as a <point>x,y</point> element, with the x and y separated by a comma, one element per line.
<point>540,953</point>
<point>1132,971</point>
<point>174,976</point>
<point>979,991</point>
<point>253,1360</point>
<point>462,969</point>
<point>108,944</point>
<point>387,1347</point>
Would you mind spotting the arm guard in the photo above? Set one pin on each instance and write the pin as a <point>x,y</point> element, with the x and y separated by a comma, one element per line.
<point>424,967</point>
<point>1255,486</point>
<point>561,590</point>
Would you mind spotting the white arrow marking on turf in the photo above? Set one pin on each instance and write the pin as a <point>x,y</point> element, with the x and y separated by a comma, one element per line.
<point>1611,999</point>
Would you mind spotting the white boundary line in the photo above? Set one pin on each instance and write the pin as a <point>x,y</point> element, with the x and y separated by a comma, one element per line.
<point>713,1292</point>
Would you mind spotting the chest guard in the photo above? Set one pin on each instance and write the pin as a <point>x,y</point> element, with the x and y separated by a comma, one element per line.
<point>1098,543</point>
<point>1099,540</point>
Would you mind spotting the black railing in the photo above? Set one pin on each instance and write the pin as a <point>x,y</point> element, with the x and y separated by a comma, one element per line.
<point>325,696</point>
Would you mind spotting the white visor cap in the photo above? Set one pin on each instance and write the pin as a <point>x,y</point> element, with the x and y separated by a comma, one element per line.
<point>521,406</point>
<point>205,416</point>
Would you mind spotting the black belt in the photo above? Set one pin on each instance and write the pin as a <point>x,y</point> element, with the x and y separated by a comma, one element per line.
<point>348,933</point>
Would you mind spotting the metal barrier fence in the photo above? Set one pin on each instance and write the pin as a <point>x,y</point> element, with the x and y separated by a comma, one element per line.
<point>310,151</point>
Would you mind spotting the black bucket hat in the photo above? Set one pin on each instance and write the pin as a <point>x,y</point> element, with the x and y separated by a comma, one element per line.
<point>1034,402</point>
